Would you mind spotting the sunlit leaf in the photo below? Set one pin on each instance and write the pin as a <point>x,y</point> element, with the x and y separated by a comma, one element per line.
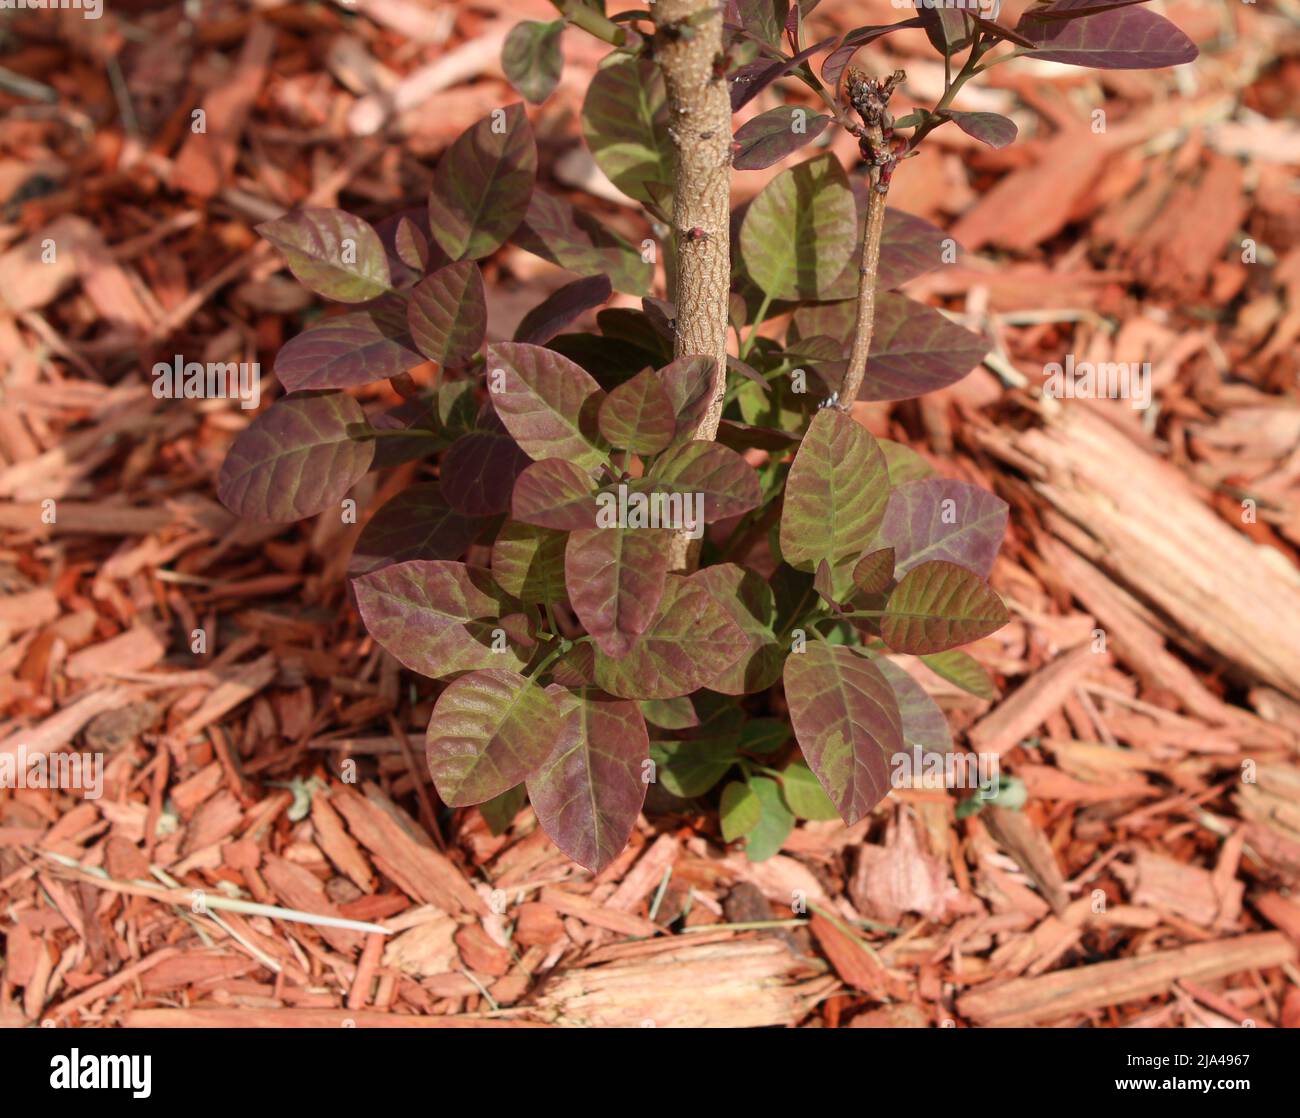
<point>847,722</point>
<point>296,459</point>
<point>438,618</point>
<point>774,824</point>
<point>638,415</point>
<point>333,253</point>
<point>482,186</point>
<point>727,483</point>
<point>797,234</point>
<point>528,562</point>
<point>748,600</point>
<point>873,573</point>
<point>625,124</point>
<point>904,463</point>
<point>690,640</point>
<point>554,493</point>
<point>834,496</point>
<point>924,724</point>
<point>588,792</point>
<point>771,136</point>
<point>490,730</point>
<point>692,384</point>
<point>546,402</point>
<point>989,128</point>
<point>937,606</point>
<point>804,794</point>
<point>447,313</point>
<point>941,519</point>
<point>615,578</point>
<point>343,352</point>
<point>963,670</point>
<point>1122,38</point>
<point>670,714</point>
<point>915,350</point>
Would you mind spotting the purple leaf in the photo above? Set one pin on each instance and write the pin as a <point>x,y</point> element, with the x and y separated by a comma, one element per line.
<point>343,352</point>
<point>615,578</point>
<point>479,471</point>
<point>837,61</point>
<point>295,459</point>
<point>546,402</point>
<point>556,231</point>
<point>416,524</point>
<point>773,135</point>
<point>946,28</point>
<point>749,81</point>
<point>692,383</point>
<point>331,252</point>
<point>410,245</point>
<point>937,606</point>
<point>439,618</point>
<point>528,562</point>
<point>447,314</point>
<point>764,19</point>
<point>941,519</point>
<point>924,724</point>
<point>489,731</point>
<point>690,640</point>
<point>847,722</point>
<point>916,350</point>
<point>589,791</point>
<point>989,128</point>
<point>482,186</point>
<point>749,602</point>
<point>726,481</point>
<point>835,495</point>
<point>554,493</point>
<point>532,60</point>
<point>638,415</point>
<point>562,307</point>
<point>1128,38</point>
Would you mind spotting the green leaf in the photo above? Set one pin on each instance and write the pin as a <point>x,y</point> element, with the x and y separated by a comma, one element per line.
<point>670,714</point>
<point>489,731</point>
<point>835,496</point>
<point>590,789</point>
<point>295,459</point>
<point>528,562</point>
<point>937,606</point>
<point>500,811</point>
<point>903,462</point>
<point>775,822</point>
<point>331,252</point>
<point>690,640</point>
<point>764,735</point>
<point>690,768</point>
<point>447,313</point>
<point>804,794</point>
<point>847,722</point>
<point>797,234</point>
<point>532,60</point>
<point>963,670</point>
<point>546,402</point>
<point>439,618</point>
<point>625,124</point>
<point>638,415</point>
<point>615,578</point>
<point>739,811</point>
<point>483,183</point>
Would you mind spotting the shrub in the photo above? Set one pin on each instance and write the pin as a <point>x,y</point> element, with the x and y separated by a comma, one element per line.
<point>556,575</point>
